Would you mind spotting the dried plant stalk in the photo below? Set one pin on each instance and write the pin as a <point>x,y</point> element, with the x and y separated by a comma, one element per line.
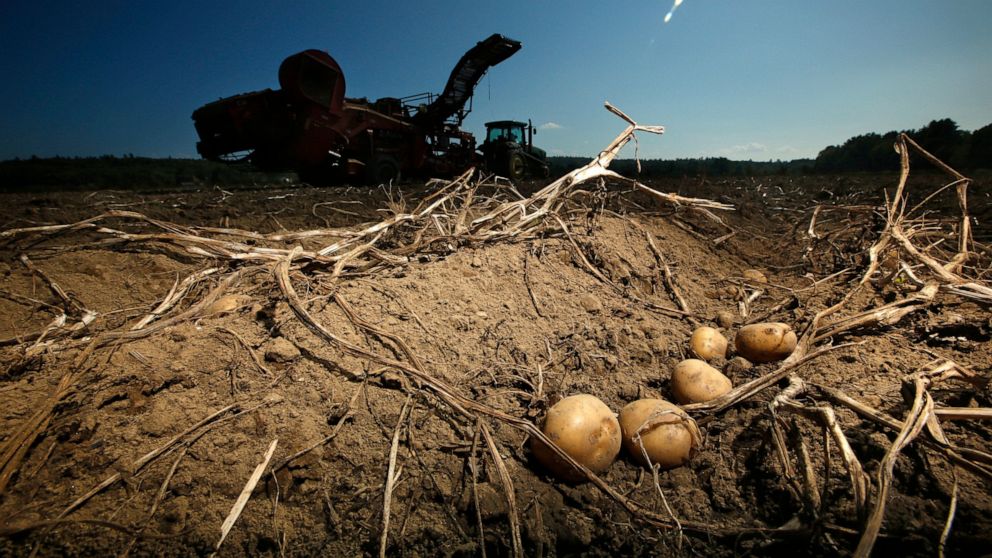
<point>825,416</point>
<point>242,501</point>
<point>914,424</point>
<point>391,476</point>
<point>956,455</point>
<point>511,496</point>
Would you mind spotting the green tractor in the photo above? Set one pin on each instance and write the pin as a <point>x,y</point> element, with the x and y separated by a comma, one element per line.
<point>509,150</point>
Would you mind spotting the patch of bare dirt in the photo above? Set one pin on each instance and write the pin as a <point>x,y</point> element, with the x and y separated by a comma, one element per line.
<point>515,325</point>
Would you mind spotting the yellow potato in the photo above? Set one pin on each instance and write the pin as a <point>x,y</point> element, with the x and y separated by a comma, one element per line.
<point>754,275</point>
<point>707,343</point>
<point>694,381</point>
<point>766,342</point>
<point>668,435</point>
<point>586,429</point>
<point>227,304</point>
<point>725,319</point>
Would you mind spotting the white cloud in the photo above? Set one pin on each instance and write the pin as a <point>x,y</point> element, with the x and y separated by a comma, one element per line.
<point>750,148</point>
<point>550,126</point>
<point>787,150</point>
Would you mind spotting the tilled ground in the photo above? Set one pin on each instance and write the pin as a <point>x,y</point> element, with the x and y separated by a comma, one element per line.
<point>516,325</point>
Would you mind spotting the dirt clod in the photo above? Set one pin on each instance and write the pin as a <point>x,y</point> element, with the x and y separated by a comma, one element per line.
<point>280,349</point>
<point>590,303</point>
<point>737,368</point>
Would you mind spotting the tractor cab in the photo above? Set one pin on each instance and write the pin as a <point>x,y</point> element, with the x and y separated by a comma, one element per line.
<point>507,130</point>
<point>509,150</point>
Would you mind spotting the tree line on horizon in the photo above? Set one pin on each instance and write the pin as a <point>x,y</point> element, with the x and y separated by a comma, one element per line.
<point>871,152</point>
<point>128,171</point>
<point>677,168</point>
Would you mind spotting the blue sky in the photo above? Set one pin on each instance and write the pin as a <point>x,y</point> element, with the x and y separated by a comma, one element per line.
<point>761,79</point>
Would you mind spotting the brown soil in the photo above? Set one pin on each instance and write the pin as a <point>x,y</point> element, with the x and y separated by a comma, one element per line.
<point>516,325</point>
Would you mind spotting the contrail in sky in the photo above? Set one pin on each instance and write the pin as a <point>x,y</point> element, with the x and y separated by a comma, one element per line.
<point>668,16</point>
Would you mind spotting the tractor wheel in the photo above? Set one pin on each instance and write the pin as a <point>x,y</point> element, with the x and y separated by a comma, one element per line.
<point>383,169</point>
<point>318,175</point>
<point>516,167</point>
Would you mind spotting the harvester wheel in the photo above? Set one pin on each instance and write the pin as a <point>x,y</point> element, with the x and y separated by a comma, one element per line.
<point>515,166</point>
<point>316,175</point>
<point>382,169</point>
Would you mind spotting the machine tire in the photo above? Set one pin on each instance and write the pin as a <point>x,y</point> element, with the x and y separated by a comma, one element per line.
<point>516,167</point>
<point>382,169</point>
<point>319,175</point>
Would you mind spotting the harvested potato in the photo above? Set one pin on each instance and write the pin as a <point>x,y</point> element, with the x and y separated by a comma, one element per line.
<point>694,381</point>
<point>586,429</point>
<point>227,304</point>
<point>755,276</point>
<point>669,436</point>
<point>725,319</point>
<point>765,342</point>
<point>707,343</point>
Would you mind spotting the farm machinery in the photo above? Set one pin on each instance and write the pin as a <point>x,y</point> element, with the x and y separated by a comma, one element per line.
<point>509,150</point>
<point>309,126</point>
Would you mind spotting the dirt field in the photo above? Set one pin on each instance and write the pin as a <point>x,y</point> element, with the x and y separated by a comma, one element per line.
<point>179,413</point>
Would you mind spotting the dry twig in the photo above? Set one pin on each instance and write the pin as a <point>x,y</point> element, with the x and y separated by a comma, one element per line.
<point>391,476</point>
<point>242,501</point>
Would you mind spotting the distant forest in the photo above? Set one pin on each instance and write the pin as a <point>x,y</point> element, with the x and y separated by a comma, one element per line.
<point>865,153</point>
<point>130,172</point>
<point>873,152</point>
<point>676,168</point>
